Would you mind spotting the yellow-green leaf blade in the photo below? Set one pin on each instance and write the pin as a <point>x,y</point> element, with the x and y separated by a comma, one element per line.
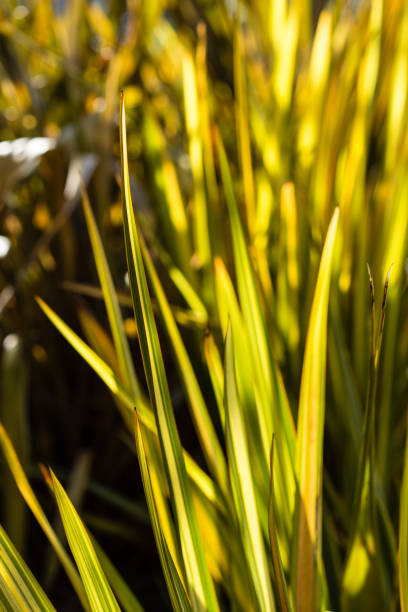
<point>243,486</point>
<point>200,415</point>
<point>273,410</point>
<point>96,585</point>
<point>309,452</point>
<point>111,300</point>
<point>18,585</point>
<point>200,586</point>
<point>32,502</point>
<point>174,584</point>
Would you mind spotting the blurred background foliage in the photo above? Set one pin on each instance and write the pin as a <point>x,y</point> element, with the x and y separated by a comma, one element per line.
<point>317,98</point>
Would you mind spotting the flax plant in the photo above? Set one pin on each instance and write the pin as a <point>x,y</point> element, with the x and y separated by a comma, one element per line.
<point>253,282</point>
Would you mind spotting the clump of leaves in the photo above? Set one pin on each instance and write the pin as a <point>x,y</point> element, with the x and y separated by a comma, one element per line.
<point>296,413</point>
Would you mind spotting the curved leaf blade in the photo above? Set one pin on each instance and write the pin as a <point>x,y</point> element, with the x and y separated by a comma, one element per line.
<point>309,451</point>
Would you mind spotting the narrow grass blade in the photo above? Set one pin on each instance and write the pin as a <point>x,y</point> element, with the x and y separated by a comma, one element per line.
<point>96,585</point>
<point>98,338</point>
<point>174,582</point>
<point>128,375</point>
<point>101,368</point>
<point>200,586</point>
<point>229,313</point>
<point>19,589</point>
<point>204,427</point>
<point>252,312</point>
<point>243,486</point>
<point>273,410</point>
<point>309,454</point>
<point>32,502</point>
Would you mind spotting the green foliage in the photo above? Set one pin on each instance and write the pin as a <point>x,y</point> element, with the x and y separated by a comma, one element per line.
<point>264,165</point>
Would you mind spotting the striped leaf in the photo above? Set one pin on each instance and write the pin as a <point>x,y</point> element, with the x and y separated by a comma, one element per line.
<point>309,452</point>
<point>32,502</point>
<point>243,486</point>
<point>199,583</point>
<point>19,590</point>
<point>97,588</point>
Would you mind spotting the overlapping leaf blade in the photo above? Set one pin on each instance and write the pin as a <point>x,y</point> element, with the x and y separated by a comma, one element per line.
<point>32,502</point>
<point>273,410</point>
<point>199,583</point>
<point>201,418</point>
<point>243,486</point>
<point>174,582</point>
<point>20,591</point>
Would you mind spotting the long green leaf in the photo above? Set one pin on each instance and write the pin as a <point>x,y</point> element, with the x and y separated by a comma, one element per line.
<point>243,486</point>
<point>309,452</point>
<point>32,502</point>
<point>200,586</point>
<point>19,588</point>
<point>199,412</point>
<point>174,584</point>
<point>111,300</point>
<point>96,585</point>
<point>273,410</point>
